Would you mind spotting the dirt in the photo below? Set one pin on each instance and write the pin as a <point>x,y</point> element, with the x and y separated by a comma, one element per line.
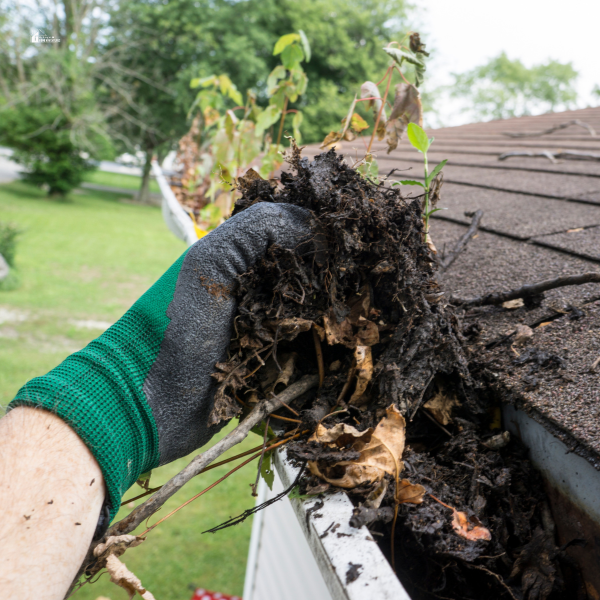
<point>360,304</point>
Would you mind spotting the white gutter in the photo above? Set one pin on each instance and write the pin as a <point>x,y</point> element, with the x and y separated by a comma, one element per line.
<point>177,220</point>
<point>335,551</point>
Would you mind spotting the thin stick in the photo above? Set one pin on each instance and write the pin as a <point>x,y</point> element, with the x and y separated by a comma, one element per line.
<point>423,411</point>
<point>210,487</point>
<point>348,383</point>
<point>262,456</point>
<point>448,260</point>
<point>319,353</point>
<point>387,89</point>
<point>283,113</point>
<point>148,508</point>
<point>213,466</point>
<point>294,412</point>
<point>286,419</point>
<point>526,291</point>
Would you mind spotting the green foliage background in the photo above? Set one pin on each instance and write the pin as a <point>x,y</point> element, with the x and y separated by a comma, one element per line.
<point>504,88</point>
<point>198,38</point>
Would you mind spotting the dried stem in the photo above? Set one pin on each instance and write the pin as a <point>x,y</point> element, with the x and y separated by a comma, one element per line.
<point>319,353</point>
<point>262,457</point>
<point>526,291</point>
<point>201,461</point>
<point>446,262</point>
<point>383,100</point>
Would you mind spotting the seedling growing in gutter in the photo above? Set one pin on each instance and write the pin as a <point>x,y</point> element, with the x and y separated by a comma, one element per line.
<point>419,140</point>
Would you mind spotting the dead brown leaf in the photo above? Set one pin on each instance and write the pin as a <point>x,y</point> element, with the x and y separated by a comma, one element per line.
<point>512,304</point>
<point>441,405</point>
<point>246,180</point>
<point>369,90</point>
<point>410,493</point>
<point>338,333</point>
<point>380,451</point>
<point>469,528</point>
<point>407,109</point>
<point>368,333</point>
<point>331,140</point>
<point>124,578</point>
<point>292,327</point>
<point>364,373</point>
<point>522,334</point>
<point>288,361</point>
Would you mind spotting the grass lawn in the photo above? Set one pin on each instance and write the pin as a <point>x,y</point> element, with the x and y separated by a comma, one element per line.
<point>120,180</point>
<point>80,264</point>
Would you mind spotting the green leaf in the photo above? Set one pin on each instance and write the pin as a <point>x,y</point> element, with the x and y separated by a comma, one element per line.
<point>399,54</point>
<point>267,117</point>
<point>276,74</point>
<point>266,470</point>
<point>284,41</point>
<point>295,493</point>
<point>203,81</point>
<point>301,81</point>
<point>292,56</point>
<point>417,137</point>
<point>412,182</point>
<point>305,45</point>
<point>434,211</point>
<point>436,171</point>
<point>296,122</point>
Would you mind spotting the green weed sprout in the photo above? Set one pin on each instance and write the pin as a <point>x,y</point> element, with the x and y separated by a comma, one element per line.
<point>419,140</point>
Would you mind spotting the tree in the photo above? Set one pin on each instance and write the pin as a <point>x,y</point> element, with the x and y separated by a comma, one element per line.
<point>49,113</point>
<point>504,88</point>
<point>179,40</point>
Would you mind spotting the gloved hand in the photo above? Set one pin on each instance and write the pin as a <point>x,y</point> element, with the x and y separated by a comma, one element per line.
<point>140,395</point>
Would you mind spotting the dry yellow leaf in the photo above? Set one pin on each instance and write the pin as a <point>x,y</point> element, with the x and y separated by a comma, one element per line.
<point>364,373</point>
<point>440,407</point>
<point>380,451</point>
<point>124,578</point>
<point>511,304</point>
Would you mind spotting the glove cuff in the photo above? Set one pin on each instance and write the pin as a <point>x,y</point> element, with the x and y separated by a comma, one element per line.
<point>98,391</point>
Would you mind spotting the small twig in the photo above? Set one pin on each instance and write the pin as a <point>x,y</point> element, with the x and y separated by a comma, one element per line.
<point>530,289</point>
<point>348,383</point>
<point>148,508</point>
<point>319,353</point>
<point>552,156</point>
<point>498,577</point>
<point>210,487</point>
<point>262,456</point>
<point>446,262</point>
<point>286,419</point>
<point>424,412</point>
<point>418,403</point>
<point>387,89</point>
<point>294,412</point>
<point>577,122</point>
<point>251,511</point>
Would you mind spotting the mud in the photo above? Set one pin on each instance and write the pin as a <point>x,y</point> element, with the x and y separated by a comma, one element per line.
<point>360,303</point>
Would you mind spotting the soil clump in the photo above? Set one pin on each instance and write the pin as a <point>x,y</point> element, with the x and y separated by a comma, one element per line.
<point>399,421</point>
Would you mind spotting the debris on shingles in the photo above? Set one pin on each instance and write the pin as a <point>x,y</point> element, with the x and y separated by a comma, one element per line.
<point>359,304</point>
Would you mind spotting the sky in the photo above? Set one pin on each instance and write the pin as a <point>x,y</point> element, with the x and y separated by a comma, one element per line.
<point>466,33</point>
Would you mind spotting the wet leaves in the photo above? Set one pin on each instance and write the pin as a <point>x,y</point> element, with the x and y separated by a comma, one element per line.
<point>380,451</point>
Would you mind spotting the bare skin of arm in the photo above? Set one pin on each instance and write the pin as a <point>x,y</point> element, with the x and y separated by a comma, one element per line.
<point>51,493</point>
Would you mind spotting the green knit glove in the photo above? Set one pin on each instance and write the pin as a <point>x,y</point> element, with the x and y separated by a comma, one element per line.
<point>140,395</point>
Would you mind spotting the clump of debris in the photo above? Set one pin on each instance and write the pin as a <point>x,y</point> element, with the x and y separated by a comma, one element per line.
<point>397,421</point>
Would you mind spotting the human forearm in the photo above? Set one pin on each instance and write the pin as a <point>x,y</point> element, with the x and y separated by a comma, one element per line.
<point>51,493</point>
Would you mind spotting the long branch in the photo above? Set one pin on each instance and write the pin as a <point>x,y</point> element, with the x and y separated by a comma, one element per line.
<point>530,289</point>
<point>448,260</point>
<point>148,508</point>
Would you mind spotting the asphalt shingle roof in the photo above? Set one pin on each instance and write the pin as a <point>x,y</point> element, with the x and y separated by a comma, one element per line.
<point>541,221</point>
